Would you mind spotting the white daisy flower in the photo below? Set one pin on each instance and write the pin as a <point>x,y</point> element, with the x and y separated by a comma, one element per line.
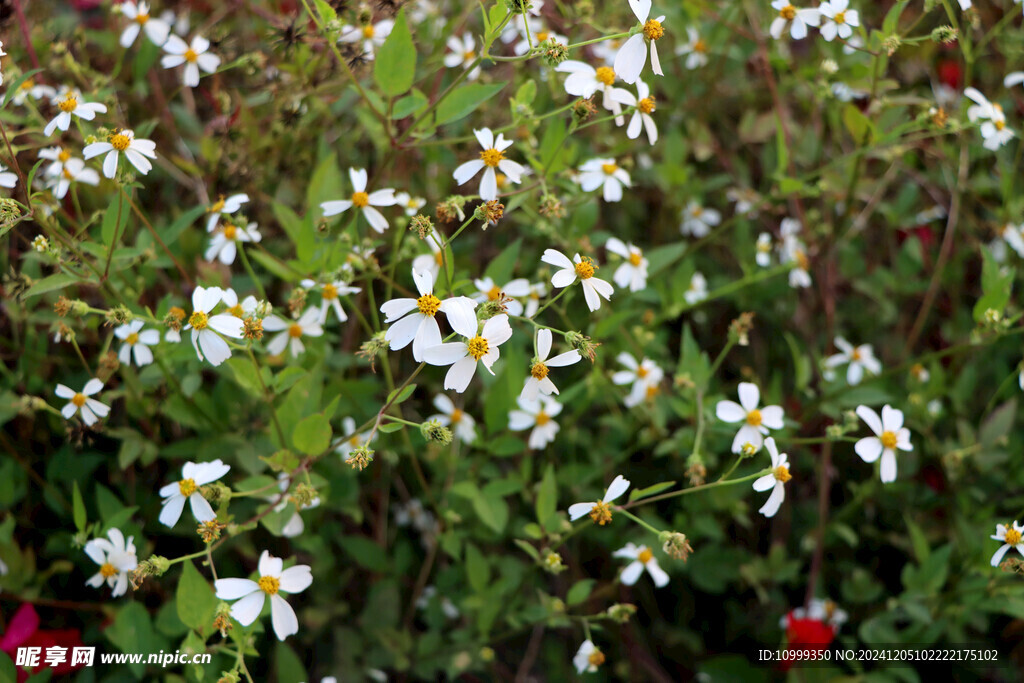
<point>432,262</point>
<point>642,558</point>
<point>641,119</point>
<point>463,357</point>
<point>536,416</point>
<point>1007,235</point>
<point>69,101</point>
<point>180,23</point>
<point>538,291</point>
<point>290,332</point>
<point>329,293</point>
<point>244,309</point>
<point>58,156</point>
<point>1011,538</point>
<point>294,526</point>
<point>462,53</point>
<point>797,20</point>
<point>139,17</point>
<point>838,19</point>
<point>860,358</point>
<point>746,200</point>
<point>538,383</point>
<point>890,435</point>
<point>492,157</point>
<point>136,343</point>
<point>116,557</point>
<point>488,291</point>
<point>461,423</point>
<point>641,375</point>
<point>584,80</point>
<point>698,289</point>
<point>588,658</point>
<point>993,128</point>
<point>193,476</point>
<point>1013,78</point>
<point>135,150</point>
<point>825,611</point>
<point>776,481</point>
<point>764,250</point>
<point>632,56</point>
<point>600,511</point>
<point>352,438</point>
<point>207,329</point>
<point>30,89</point>
<point>370,36</point>
<point>73,171</point>
<point>363,201</point>
<point>91,409</point>
<point>274,580</point>
<point>421,328</point>
<point>920,373</point>
<point>539,35</point>
<point>793,250</point>
<point>695,48</point>
<point>581,269</point>
<point>757,421</point>
<point>698,221</point>
<point>224,243</point>
<point>632,273</point>
<point>7,178</point>
<point>411,205</point>
<point>224,207</point>
<point>603,173</point>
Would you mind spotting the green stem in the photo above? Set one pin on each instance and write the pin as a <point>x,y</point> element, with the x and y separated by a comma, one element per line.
<point>639,521</point>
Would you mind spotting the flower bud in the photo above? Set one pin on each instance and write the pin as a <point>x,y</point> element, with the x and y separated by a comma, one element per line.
<point>675,545</point>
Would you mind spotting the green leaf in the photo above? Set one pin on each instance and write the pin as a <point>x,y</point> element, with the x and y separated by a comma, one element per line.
<point>860,126</point>
<point>326,12</point>
<point>389,427</point>
<point>114,219</point>
<point>996,286</point>
<point>579,592</point>
<point>408,105</point>
<point>547,496</point>
<point>244,373</point>
<point>365,552</point>
<point>312,435</point>
<point>79,508</point>
<point>998,424</point>
<point>325,185</point>
<point>399,395</point>
<point>288,665</point>
<point>528,549</point>
<point>15,85</point>
<point>464,100</point>
<point>477,570</point>
<point>492,510</point>
<point>637,494</point>
<point>49,284</point>
<point>395,64</point>
<point>195,600</point>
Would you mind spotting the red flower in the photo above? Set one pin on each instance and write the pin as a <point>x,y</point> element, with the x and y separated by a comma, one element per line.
<point>23,631</point>
<point>806,634</point>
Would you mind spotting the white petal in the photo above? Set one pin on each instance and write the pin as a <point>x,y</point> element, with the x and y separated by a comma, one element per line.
<point>631,573</point>
<point>296,579</point>
<point>171,512</point>
<point>868,448</point>
<point>888,470</point>
<point>283,617</point>
<point>233,589</point>
<point>750,396</point>
<point>774,501</point>
<point>577,510</point>
<point>467,170</point>
<point>248,609</point>
<point>630,59</point>
<point>871,418</point>
<point>729,411</point>
<point>764,483</point>
<point>201,508</point>
<point>618,486</point>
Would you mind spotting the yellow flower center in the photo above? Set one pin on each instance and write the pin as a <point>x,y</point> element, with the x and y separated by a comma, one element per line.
<point>641,372</point>
<point>542,36</point>
<point>700,46</point>
<point>237,311</point>
<point>456,416</point>
<point>830,608</point>
<point>645,555</point>
<point>636,258</point>
<point>1000,124</point>
<point>198,320</point>
<point>230,231</point>
<point>538,370</point>
<point>856,354</point>
<point>63,155</point>
<point>754,418</point>
<point>368,31</point>
<point>360,200</point>
<point>330,291</point>
<point>295,330</point>
<point>609,169</point>
<point>839,18</point>
<point>605,74</point>
<point>801,259</point>
<point>917,370</point>
<point>542,419</point>
<point>78,399</point>
<point>132,338</point>
<point>28,84</point>
<point>585,268</point>
<point>646,105</point>
<point>653,29</point>
<point>888,439</point>
<point>468,56</point>
<point>141,19</point>
<point>67,174</point>
<point>69,104</point>
<point>269,585</point>
<point>781,473</point>
<point>652,391</point>
<point>697,211</point>
<point>494,293</point>
<point>601,513</point>
<point>596,658</point>
<point>119,141</point>
<point>108,570</point>
<point>478,347</point>
<point>428,304</point>
<point>788,13</point>
<point>1012,536</point>
<point>500,179</point>
<point>439,258</point>
<point>217,207</point>
<point>191,55</point>
<point>187,487</point>
<point>492,156</point>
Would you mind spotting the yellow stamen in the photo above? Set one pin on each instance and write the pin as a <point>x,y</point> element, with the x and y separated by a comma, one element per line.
<point>700,46</point>
<point>788,12</point>
<point>542,418</point>
<point>609,169</point>
<point>237,311</point>
<point>141,19</point>
<point>641,372</point>
<point>269,584</point>
<point>132,338</point>
<point>1012,536</point>
<point>888,439</point>
<point>636,258</point>
<point>585,268</point>
<point>492,156</point>
<point>456,416</point>
<point>653,29</point>
<point>78,399</point>
<point>295,330</point>
<point>119,141</point>
<point>360,200</point>
<point>428,304</point>
<point>601,513</point>
<point>468,56</point>
<point>199,320</point>
<point>596,658</point>
<point>646,105</point>
<point>839,18</point>
<point>781,473</point>
<point>605,74</point>
<point>63,155</point>
<point>191,56</point>
<point>478,347</point>
<point>645,555</point>
<point>330,291</point>
<point>108,570</point>
<point>69,104</point>
<point>754,418</point>
<point>494,293</point>
<point>538,370</point>
<point>368,31</point>
<point>217,207</point>
<point>187,487</point>
<point>230,231</point>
